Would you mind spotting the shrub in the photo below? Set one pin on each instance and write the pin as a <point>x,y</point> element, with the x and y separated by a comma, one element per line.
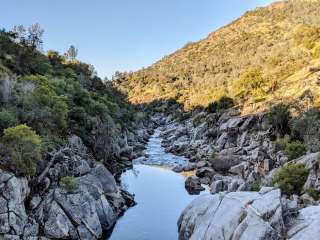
<point>223,103</point>
<point>291,178</point>
<point>23,146</point>
<point>281,144</point>
<point>256,186</point>
<point>250,83</point>
<point>279,117</point>
<point>307,36</point>
<point>307,128</point>
<point>292,149</point>
<point>7,119</point>
<point>295,150</point>
<point>69,183</point>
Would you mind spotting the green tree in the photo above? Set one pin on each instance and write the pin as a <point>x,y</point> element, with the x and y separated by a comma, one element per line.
<point>23,147</point>
<point>279,116</point>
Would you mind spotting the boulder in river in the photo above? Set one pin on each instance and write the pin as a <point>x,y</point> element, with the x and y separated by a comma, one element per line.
<point>193,185</point>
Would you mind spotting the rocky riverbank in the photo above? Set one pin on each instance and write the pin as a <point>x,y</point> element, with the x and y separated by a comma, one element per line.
<point>236,157</point>
<point>56,206</point>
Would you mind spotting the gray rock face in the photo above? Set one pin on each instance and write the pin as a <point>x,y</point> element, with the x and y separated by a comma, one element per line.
<point>225,162</point>
<point>306,225</point>
<point>56,212</point>
<point>13,193</point>
<point>237,215</point>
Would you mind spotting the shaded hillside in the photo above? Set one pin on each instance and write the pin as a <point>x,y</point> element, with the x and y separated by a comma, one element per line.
<point>264,56</point>
<point>57,96</point>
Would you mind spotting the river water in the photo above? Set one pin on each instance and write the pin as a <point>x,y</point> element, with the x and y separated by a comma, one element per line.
<point>160,195</point>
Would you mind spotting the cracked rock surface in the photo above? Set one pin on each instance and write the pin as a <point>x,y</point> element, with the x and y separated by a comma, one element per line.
<point>47,210</point>
<point>235,215</point>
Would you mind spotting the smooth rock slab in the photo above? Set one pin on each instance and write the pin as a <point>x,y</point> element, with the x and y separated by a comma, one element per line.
<point>306,226</point>
<point>235,216</point>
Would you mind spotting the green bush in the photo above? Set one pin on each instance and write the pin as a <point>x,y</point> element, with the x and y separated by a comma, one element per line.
<point>23,146</point>
<point>291,178</point>
<point>279,117</point>
<point>281,144</point>
<point>69,183</point>
<point>7,119</point>
<point>292,149</point>
<point>256,186</point>
<point>295,150</point>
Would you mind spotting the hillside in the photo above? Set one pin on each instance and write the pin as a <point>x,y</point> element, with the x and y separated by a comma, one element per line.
<point>57,96</point>
<point>267,55</point>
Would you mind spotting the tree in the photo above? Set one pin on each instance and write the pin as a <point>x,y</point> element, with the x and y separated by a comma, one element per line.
<point>279,116</point>
<point>72,53</point>
<point>23,147</point>
<point>20,33</point>
<point>35,33</point>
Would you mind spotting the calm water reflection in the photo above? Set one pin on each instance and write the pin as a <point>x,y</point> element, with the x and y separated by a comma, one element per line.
<point>161,198</point>
<point>160,194</point>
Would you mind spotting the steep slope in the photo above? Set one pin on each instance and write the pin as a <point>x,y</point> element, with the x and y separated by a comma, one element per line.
<point>61,130</point>
<point>255,59</point>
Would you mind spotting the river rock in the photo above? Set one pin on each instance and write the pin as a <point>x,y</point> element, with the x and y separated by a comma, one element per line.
<point>239,169</point>
<point>201,164</point>
<point>193,185</point>
<point>205,172</point>
<point>225,162</point>
<point>237,215</point>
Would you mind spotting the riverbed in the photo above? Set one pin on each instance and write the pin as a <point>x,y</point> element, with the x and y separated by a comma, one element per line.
<point>160,195</point>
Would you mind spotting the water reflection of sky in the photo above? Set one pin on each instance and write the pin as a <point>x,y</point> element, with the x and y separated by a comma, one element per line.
<point>160,194</point>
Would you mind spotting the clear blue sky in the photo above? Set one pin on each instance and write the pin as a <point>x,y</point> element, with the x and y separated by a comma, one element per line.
<point>123,34</point>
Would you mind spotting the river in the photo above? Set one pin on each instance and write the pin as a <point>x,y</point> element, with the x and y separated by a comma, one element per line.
<point>160,195</point>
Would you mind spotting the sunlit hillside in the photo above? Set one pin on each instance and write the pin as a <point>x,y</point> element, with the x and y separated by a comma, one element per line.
<point>267,55</point>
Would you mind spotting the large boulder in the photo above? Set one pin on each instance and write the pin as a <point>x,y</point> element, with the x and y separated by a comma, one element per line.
<point>236,215</point>
<point>225,162</point>
<point>306,225</point>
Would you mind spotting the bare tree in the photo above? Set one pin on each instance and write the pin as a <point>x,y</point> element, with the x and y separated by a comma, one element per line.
<point>20,33</point>
<point>72,53</point>
<point>35,33</point>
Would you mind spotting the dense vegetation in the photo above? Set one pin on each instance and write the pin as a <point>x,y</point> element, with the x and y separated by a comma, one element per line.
<point>253,60</point>
<point>53,96</point>
<point>291,178</point>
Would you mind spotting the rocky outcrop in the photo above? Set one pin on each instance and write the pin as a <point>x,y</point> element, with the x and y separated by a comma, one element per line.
<point>235,146</point>
<point>249,215</point>
<point>45,208</point>
<point>237,215</point>
<point>306,225</point>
